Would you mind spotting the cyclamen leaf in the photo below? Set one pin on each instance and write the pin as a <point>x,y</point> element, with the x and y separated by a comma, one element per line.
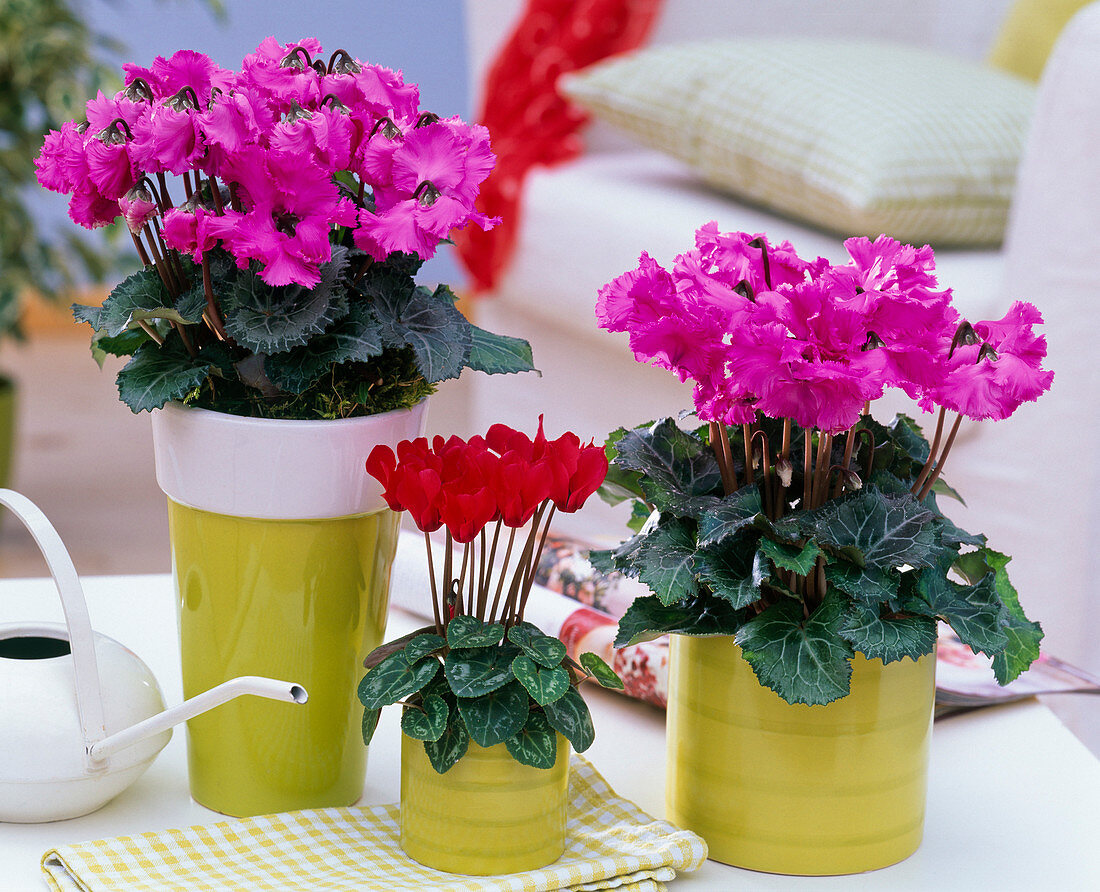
<point>800,560</point>
<point>494,717</point>
<point>272,319</point>
<point>497,354</point>
<point>680,474</point>
<point>542,648</point>
<point>973,611</point>
<point>1024,636</point>
<point>428,721</point>
<point>570,717</point>
<point>867,584</point>
<point>451,745</point>
<point>431,325</point>
<point>647,618</point>
<point>734,574</point>
<point>544,685</point>
<point>370,724</point>
<point>469,631</point>
<point>888,638</point>
<point>395,677</point>
<point>802,660</point>
<point>473,672</point>
<point>595,666</point>
<point>355,338</point>
<point>380,653</point>
<point>666,562</point>
<point>422,645</point>
<point>734,513</point>
<point>536,743</point>
<point>156,375</point>
<point>141,297</point>
<point>885,532</point>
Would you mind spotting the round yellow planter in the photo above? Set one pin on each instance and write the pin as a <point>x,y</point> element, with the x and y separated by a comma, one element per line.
<point>281,551</point>
<point>796,789</point>
<point>487,815</point>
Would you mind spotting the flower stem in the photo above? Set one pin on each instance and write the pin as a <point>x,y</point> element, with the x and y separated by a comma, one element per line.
<point>849,445</point>
<point>529,577</point>
<point>448,567</point>
<point>727,454</point>
<point>746,436</point>
<point>503,573</point>
<point>714,432</point>
<point>212,314</point>
<point>821,472</point>
<point>807,467</point>
<point>435,588</point>
<point>939,464</point>
<point>927,469</point>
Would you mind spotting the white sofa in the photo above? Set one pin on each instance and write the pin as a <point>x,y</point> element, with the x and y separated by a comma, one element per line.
<point>1031,482</point>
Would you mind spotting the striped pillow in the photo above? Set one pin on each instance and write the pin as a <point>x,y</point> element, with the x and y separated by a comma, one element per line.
<point>857,138</point>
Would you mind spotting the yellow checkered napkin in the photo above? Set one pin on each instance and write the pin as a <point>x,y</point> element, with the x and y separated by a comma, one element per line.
<point>612,844</point>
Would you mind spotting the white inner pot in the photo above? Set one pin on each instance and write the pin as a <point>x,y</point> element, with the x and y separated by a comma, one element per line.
<point>272,468</point>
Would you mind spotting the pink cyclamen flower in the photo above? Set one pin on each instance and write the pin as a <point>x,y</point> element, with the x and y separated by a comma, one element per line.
<point>292,206</point>
<point>61,165</point>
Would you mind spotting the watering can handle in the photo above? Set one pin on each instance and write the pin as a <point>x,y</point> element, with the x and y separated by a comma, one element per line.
<point>89,702</point>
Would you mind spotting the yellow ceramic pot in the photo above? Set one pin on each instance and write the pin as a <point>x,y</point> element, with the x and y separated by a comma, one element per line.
<point>303,601</point>
<point>281,552</point>
<point>796,789</point>
<point>487,815</point>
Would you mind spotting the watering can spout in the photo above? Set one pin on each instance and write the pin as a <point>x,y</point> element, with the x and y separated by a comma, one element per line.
<point>229,690</point>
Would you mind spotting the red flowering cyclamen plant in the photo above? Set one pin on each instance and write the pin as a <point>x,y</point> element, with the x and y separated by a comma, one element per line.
<point>793,520</point>
<point>281,212</point>
<point>503,680</point>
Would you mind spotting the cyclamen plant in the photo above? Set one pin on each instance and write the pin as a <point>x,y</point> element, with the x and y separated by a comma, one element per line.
<point>481,671</point>
<point>280,212</point>
<point>792,519</point>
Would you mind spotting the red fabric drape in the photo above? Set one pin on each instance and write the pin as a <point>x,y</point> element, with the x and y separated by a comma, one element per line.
<point>530,123</point>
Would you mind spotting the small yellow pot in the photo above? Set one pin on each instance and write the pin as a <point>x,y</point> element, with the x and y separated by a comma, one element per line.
<point>488,815</point>
<point>796,789</point>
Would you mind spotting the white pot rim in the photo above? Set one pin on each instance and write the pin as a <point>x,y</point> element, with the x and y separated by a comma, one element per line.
<point>275,469</point>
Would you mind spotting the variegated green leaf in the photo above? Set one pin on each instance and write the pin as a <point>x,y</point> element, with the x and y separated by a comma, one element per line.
<point>542,648</point>
<point>570,717</point>
<point>428,720</point>
<point>451,745</point>
<point>472,672</point>
<point>494,717</point>
<point>595,666</point>
<point>543,684</point>
<point>536,743</point>
<point>395,677</point>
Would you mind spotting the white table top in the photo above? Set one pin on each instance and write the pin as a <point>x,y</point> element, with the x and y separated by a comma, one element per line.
<point>1013,800</point>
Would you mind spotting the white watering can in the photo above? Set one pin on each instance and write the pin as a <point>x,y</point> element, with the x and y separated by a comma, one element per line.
<point>81,717</point>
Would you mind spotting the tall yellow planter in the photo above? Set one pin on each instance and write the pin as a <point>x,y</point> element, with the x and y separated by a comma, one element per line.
<point>796,789</point>
<point>303,601</point>
<point>281,552</point>
<point>487,815</point>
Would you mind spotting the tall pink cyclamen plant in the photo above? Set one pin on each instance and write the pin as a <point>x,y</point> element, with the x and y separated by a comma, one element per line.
<point>761,330</point>
<point>280,212</point>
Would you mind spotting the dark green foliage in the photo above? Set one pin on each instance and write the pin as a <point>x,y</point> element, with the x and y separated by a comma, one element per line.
<point>494,688</point>
<point>871,571</point>
<point>365,340</point>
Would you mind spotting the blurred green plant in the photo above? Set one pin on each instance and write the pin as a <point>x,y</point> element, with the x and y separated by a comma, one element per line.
<point>50,63</point>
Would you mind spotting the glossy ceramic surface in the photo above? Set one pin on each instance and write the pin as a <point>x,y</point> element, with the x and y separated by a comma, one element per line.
<point>487,815</point>
<point>276,469</point>
<point>301,599</point>
<point>808,790</point>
